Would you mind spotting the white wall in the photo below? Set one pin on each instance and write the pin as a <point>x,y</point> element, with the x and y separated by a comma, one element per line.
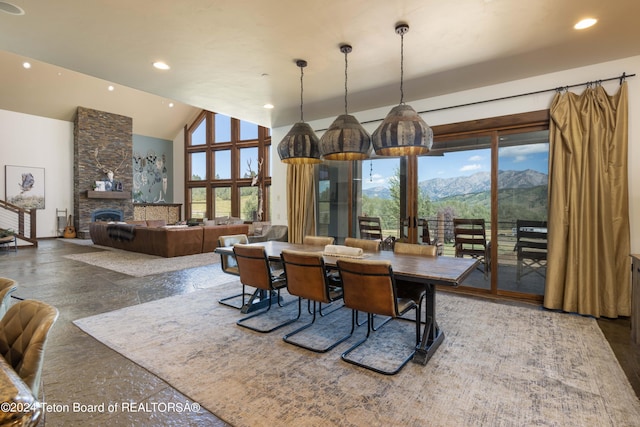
<point>178,171</point>
<point>34,141</point>
<point>494,109</point>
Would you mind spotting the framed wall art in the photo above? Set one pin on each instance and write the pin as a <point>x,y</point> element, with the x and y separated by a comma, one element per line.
<point>24,186</point>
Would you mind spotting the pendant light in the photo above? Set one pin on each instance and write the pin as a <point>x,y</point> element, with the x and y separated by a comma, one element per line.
<point>402,132</point>
<point>300,145</point>
<point>345,139</point>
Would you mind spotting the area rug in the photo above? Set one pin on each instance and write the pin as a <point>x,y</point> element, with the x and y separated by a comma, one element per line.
<point>499,365</point>
<point>140,265</point>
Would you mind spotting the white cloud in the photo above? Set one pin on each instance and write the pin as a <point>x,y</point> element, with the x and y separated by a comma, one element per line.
<point>523,150</point>
<point>521,153</point>
<point>469,168</point>
<point>476,158</point>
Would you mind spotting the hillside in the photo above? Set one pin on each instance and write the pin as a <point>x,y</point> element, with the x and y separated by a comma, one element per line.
<point>439,188</point>
<point>513,203</point>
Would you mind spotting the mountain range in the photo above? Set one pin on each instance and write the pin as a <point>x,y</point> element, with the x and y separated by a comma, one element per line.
<point>439,188</point>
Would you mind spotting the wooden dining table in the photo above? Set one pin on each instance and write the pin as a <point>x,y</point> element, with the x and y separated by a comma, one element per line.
<point>428,271</point>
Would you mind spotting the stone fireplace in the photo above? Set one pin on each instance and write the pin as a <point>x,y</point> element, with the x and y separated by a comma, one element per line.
<point>102,141</point>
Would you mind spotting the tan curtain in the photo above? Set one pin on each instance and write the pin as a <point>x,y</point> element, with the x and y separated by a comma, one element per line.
<point>301,202</point>
<point>589,244</point>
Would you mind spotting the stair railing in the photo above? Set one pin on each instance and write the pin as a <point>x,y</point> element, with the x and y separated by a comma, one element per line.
<point>22,221</point>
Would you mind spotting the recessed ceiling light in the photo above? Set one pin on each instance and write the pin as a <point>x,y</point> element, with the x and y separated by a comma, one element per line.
<point>171,105</point>
<point>585,23</point>
<point>161,65</point>
<point>268,106</point>
<point>11,9</point>
<point>110,88</point>
<point>26,65</point>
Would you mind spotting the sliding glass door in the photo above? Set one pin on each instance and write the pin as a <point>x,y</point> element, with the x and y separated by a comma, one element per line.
<point>523,183</point>
<point>498,176</point>
<point>455,182</point>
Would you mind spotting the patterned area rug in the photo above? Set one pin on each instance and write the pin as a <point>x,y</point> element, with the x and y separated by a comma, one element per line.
<point>499,365</point>
<point>140,265</point>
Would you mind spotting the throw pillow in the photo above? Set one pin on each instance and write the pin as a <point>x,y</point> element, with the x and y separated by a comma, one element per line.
<point>221,220</point>
<point>261,227</point>
<point>235,220</point>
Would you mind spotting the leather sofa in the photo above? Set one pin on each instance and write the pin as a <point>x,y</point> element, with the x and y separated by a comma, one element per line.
<point>165,241</point>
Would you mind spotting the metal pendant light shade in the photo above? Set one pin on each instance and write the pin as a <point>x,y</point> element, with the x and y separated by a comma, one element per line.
<point>402,132</point>
<point>300,145</point>
<point>345,139</point>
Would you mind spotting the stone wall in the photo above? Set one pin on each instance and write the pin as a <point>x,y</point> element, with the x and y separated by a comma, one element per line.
<point>112,136</point>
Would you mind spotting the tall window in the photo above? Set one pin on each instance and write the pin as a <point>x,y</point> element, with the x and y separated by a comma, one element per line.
<point>227,168</point>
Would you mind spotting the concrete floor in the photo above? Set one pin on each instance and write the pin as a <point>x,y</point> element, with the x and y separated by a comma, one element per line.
<point>80,370</point>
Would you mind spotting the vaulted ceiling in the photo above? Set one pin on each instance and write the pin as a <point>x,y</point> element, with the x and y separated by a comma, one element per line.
<point>235,56</point>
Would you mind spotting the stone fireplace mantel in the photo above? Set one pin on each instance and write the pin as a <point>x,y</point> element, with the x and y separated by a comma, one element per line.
<point>108,194</point>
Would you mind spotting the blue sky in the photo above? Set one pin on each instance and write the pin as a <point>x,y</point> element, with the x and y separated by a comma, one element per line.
<point>223,134</point>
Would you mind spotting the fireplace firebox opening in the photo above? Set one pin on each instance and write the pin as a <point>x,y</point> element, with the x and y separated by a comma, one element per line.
<point>107,215</point>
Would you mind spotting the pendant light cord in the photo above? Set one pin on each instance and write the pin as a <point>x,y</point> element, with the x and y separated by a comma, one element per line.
<point>346,64</point>
<point>402,68</point>
<point>301,91</point>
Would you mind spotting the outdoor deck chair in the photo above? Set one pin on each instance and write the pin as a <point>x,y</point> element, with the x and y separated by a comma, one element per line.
<point>470,240</point>
<point>531,248</point>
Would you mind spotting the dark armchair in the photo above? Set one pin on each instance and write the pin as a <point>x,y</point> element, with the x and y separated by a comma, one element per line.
<point>470,240</point>
<point>531,247</point>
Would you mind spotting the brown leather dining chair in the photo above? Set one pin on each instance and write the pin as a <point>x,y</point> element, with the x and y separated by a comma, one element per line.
<point>412,290</point>
<point>229,265</point>
<point>364,244</point>
<point>318,240</point>
<point>369,286</point>
<point>255,271</point>
<point>367,246</point>
<point>307,279</point>
<point>24,330</point>
<point>7,287</point>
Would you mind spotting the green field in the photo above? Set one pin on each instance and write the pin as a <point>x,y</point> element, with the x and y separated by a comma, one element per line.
<point>248,204</point>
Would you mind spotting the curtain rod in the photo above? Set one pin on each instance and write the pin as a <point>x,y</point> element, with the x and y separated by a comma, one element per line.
<point>621,77</point>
